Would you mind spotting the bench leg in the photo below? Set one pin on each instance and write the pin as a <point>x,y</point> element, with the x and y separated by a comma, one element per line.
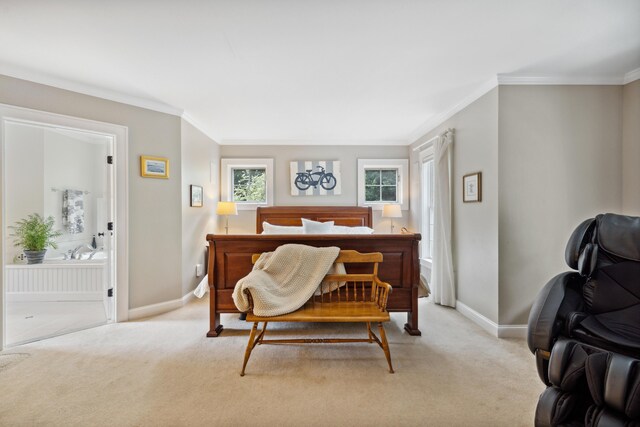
<point>385,346</point>
<point>264,329</point>
<point>250,346</point>
<point>369,332</point>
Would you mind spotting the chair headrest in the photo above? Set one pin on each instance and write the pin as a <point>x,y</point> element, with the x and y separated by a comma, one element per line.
<point>612,234</point>
<point>619,235</point>
<point>582,235</point>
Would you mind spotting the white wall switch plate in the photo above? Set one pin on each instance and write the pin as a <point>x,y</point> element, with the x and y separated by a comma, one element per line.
<point>198,270</point>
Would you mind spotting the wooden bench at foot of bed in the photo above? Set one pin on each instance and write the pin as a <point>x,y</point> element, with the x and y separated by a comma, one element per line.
<point>361,298</point>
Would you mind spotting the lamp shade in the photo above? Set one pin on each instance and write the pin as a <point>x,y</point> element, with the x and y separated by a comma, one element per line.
<point>227,208</point>
<point>391,211</point>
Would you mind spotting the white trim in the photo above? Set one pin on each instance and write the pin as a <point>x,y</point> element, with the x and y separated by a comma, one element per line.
<point>499,331</point>
<point>311,142</point>
<point>402,165</point>
<point>186,298</point>
<point>227,165</point>
<point>512,331</point>
<point>154,309</point>
<point>161,307</point>
<point>477,318</point>
<point>119,134</point>
<point>506,79</point>
<point>426,262</point>
<point>87,89</point>
<point>104,93</point>
<point>631,76</point>
<point>435,121</point>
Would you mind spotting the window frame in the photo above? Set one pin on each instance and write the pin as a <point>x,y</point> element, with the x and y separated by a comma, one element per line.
<point>226,180</point>
<point>402,182</point>
<point>426,155</point>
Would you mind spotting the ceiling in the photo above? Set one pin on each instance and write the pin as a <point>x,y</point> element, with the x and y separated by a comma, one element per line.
<point>323,71</point>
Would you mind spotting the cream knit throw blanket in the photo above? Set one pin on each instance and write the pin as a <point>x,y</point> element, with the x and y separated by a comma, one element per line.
<point>283,281</point>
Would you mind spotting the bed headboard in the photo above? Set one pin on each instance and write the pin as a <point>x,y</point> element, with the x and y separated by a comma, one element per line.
<point>351,216</point>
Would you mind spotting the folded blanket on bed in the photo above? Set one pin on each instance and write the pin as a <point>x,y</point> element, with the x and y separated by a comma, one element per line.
<point>283,281</point>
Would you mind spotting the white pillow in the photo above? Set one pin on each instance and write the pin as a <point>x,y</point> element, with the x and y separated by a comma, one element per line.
<point>280,229</point>
<point>341,229</point>
<point>315,227</point>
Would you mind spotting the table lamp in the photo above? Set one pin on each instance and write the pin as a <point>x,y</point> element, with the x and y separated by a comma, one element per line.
<point>391,211</point>
<point>226,209</point>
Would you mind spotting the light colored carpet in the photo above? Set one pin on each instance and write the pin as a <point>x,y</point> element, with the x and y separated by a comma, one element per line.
<point>163,371</point>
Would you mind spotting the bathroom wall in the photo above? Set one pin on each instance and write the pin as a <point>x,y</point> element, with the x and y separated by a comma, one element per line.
<point>24,175</point>
<point>87,154</point>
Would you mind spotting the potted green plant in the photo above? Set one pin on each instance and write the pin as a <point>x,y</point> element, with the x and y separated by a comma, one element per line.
<point>35,234</point>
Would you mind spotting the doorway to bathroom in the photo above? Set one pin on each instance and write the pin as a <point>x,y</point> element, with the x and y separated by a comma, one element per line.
<point>59,192</point>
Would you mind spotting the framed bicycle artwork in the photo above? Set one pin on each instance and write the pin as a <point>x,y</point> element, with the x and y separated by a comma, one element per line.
<point>315,178</point>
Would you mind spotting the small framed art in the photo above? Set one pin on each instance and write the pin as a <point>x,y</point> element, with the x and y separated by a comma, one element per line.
<point>472,187</point>
<point>197,196</point>
<point>154,167</point>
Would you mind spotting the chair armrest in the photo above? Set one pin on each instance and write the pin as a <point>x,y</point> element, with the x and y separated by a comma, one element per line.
<point>559,297</point>
<point>380,292</point>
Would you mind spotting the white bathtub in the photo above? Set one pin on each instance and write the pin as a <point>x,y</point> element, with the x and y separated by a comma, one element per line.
<point>84,257</point>
<point>57,280</point>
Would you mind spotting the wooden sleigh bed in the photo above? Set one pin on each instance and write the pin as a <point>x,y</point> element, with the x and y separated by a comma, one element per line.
<point>230,256</point>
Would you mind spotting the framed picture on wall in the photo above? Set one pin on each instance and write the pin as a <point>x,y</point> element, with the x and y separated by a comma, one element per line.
<point>197,196</point>
<point>472,187</point>
<point>154,167</point>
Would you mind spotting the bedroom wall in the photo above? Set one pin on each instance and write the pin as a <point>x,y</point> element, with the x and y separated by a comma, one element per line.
<point>475,225</point>
<point>199,154</point>
<point>631,148</point>
<point>245,222</point>
<point>560,162</point>
<point>154,214</point>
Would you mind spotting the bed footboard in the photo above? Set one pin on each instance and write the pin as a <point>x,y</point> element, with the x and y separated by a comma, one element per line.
<point>230,260</point>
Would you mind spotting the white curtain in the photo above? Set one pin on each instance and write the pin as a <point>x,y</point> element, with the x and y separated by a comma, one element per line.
<point>442,281</point>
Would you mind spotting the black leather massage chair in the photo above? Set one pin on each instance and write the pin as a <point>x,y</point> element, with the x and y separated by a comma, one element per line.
<point>584,329</point>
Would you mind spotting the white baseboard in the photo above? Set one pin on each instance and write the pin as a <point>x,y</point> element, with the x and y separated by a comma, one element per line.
<point>512,331</point>
<point>154,309</point>
<point>500,331</point>
<point>162,307</point>
<point>187,297</point>
<point>477,318</point>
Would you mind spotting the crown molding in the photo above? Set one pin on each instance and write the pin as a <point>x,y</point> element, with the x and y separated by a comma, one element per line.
<point>631,76</point>
<point>86,89</point>
<point>506,79</point>
<point>435,121</point>
<point>201,127</point>
<point>309,142</point>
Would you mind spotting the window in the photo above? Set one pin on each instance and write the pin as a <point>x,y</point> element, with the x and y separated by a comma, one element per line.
<point>382,181</point>
<point>249,185</point>
<point>380,185</point>
<point>248,182</point>
<point>427,187</point>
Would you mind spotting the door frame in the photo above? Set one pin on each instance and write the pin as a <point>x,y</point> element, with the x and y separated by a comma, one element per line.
<point>119,134</point>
